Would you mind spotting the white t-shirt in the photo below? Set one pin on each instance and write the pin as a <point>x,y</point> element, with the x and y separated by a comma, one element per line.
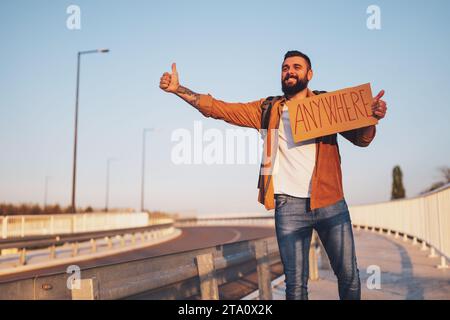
<point>294,163</point>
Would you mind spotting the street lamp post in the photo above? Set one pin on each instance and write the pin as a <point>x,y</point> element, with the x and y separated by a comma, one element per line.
<point>143,167</point>
<point>46,191</point>
<point>108,165</point>
<point>74,171</point>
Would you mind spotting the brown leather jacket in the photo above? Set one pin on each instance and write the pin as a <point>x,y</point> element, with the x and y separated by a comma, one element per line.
<point>326,185</point>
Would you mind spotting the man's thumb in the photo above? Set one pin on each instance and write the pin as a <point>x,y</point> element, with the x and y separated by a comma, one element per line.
<point>379,95</point>
<point>174,68</point>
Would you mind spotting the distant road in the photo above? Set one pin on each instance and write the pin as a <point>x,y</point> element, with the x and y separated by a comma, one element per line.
<point>190,239</point>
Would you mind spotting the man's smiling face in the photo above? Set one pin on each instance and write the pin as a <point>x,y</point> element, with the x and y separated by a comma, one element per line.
<point>295,75</point>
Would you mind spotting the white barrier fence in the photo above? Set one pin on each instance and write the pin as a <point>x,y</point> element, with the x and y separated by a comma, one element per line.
<point>263,221</point>
<point>36,225</point>
<point>425,218</point>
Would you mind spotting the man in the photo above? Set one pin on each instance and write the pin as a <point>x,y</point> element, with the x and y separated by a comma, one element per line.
<point>301,181</point>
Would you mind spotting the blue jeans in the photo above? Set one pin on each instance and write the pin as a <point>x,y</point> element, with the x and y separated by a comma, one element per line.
<point>294,223</point>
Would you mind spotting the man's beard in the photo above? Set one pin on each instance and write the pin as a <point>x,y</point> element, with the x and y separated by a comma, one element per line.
<point>292,90</point>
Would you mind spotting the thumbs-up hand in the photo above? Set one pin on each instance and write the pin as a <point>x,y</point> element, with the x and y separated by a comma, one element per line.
<point>169,81</point>
<point>379,107</point>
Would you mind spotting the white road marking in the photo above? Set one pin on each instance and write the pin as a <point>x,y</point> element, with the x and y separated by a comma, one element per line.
<point>237,236</point>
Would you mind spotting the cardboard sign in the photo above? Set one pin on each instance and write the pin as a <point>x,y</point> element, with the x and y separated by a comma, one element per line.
<point>331,112</point>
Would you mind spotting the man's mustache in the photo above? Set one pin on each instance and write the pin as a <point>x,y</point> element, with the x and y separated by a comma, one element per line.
<point>287,77</point>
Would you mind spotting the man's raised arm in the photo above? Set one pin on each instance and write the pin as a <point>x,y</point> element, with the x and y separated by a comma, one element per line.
<point>240,114</point>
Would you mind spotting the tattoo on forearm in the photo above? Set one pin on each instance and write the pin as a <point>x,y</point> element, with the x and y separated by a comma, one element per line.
<point>188,95</point>
<point>184,90</point>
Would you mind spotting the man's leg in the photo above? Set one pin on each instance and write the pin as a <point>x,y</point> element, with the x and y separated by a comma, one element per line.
<point>335,231</point>
<point>294,230</point>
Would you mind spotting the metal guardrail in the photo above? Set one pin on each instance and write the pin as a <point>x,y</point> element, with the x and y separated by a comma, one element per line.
<point>174,276</point>
<point>35,225</point>
<point>425,218</point>
<point>51,242</point>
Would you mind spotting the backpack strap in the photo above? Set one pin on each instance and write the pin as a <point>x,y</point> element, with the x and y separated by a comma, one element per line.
<point>266,110</point>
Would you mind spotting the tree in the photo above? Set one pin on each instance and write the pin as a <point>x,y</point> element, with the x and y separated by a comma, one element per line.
<point>398,191</point>
<point>445,171</point>
<point>35,209</point>
<point>445,176</point>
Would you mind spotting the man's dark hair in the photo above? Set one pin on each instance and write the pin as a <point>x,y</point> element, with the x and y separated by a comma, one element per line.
<point>295,53</point>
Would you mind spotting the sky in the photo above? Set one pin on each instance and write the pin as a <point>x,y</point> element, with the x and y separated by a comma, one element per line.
<point>232,50</point>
